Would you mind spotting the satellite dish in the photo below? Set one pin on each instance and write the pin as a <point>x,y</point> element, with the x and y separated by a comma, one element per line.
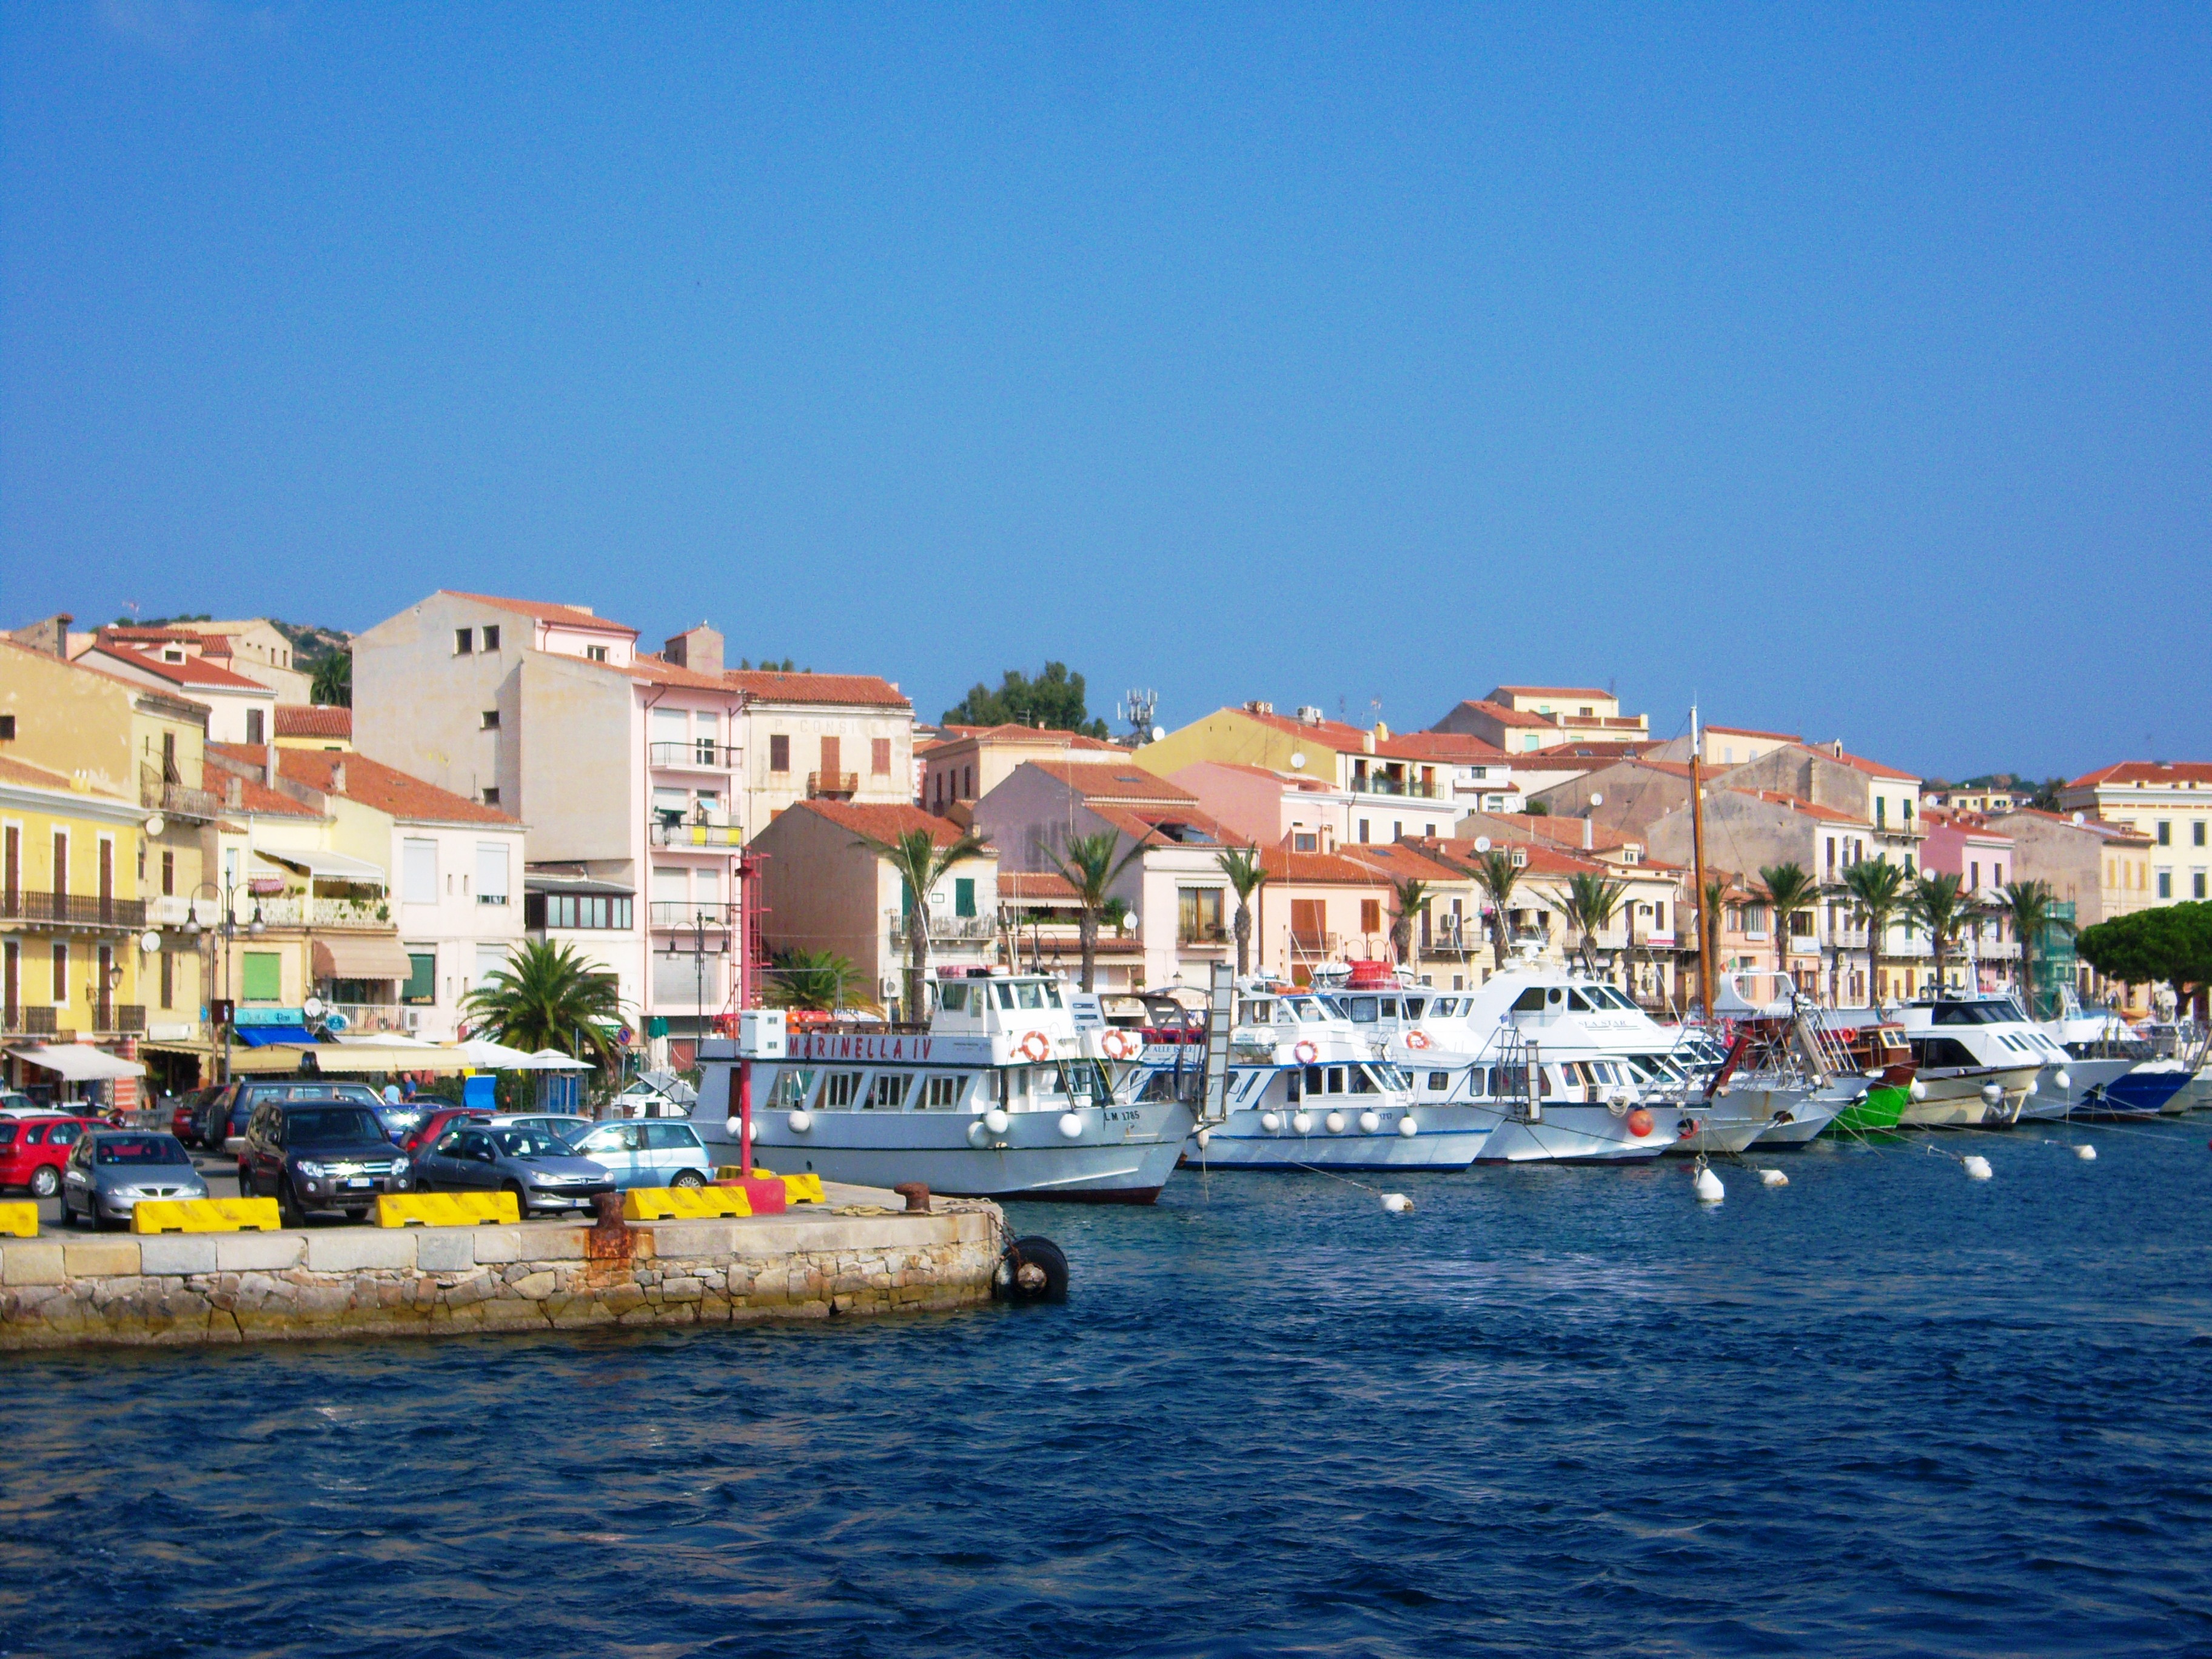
<point>1130,920</point>
<point>1596,799</point>
<point>1159,734</point>
<point>2079,818</point>
<point>149,941</point>
<point>156,824</point>
<point>1298,761</point>
<point>312,1008</point>
<point>1482,843</point>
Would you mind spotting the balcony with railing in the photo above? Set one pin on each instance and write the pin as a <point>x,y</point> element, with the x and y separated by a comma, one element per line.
<point>21,1021</point>
<point>1201,935</point>
<point>117,1018</point>
<point>832,785</point>
<point>375,1016</point>
<point>694,755</point>
<point>679,833</point>
<point>301,910</point>
<point>664,915</point>
<point>73,911</point>
<point>943,928</point>
<point>173,798</point>
<point>1384,783</point>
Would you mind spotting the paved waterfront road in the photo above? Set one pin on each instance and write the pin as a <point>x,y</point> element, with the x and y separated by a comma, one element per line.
<point>1884,1410</point>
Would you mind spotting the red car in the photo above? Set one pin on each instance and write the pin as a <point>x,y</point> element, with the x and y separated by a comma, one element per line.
<point>426,1133</point>
<point>33,1149</point>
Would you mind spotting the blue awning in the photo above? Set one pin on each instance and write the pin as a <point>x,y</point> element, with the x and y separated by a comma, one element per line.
<point>261,1036</point>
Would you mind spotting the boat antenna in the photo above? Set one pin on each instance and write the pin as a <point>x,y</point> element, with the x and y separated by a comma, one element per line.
<point>1697,863</point>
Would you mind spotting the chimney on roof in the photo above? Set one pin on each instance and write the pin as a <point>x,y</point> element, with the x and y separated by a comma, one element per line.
<point>234,791</point>
<point>699,649</point>
<point>337,779</point>
<point>268,766</point>
<point>1586,832</point>
<point>1837,749</point>
<point>49,638</point>
<point>1381,732</point>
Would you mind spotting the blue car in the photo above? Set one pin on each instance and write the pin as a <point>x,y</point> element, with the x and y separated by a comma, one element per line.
<point>649,1151</point>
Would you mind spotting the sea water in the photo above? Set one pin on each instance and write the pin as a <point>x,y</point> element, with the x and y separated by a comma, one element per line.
<point>1882,1409</point>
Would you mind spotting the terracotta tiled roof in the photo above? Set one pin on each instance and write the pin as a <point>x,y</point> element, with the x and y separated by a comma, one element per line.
<point>1796,804</point>
<point>254,796</point>
<point>1319,869</point>
<point>372,783</point>
<point>1860,763</point>
<point>1752,731</point>
<point>1552,691</point>
<point>566,616</point>
<point>2094,825</point>
<point>293,721</point>
<point>1036,885</point>
<point>37,777</point>
<point>2170,774</point>
<point>1164,825</point>
<point>1033,735</point>
<point>863,690</point>
<point>1096,780</point>
<point>1597,751</point>
<point>1459,748</point>
<point>886,821</point>
<point>1504,716</point>
<point>1401,861</point>
<point>1560,832</point>
<point>1543,857</point>
<point>192,671</point>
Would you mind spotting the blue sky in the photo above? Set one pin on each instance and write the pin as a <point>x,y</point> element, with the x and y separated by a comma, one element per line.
<point>1847,369</point>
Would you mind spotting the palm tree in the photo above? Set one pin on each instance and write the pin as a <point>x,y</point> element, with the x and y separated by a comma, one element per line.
<point>548,996</point>
<point>1938,905</point>
<point>2034,918</point>
<point>921,861</point>
<point>820,979</point>
<point>333,684</point>
<point>1411,893</point>
<point>1590,902</point>
<point>1246,872</point>
<point>1788,888</point>
<point>1089,867</point>
<point>1877,888</point>
<point>1496,873</point>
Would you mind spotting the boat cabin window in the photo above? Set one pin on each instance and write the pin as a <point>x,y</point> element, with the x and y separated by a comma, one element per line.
<point>1006,993</point>
<point>1363,1080</point>
<point>841,1090</point>
<point>1944,1051</point>
<point>1530,1001</point>
<point>953,999</point>
<point>1360,1010</point>
<point>942,1094</point>
<point>1028,994</point>
<point>889,1092</point>
<point>1440,1083</point>
<point>792,1087</point>
<point>1415,1005</point>
<point>1390,1007</point>
<point>1295,1083</point>
<point>1970,1013</point>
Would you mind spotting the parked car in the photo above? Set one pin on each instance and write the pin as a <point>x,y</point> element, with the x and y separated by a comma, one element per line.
<point>400,1120</point>
<point>187,1106</point>
<point>110,1170</point>
<point>327,1154</point>
<point>33,1149</point>
<point>228,1120</point>
<point>543,1171</point>
<point>649,1151</point>
<point>436,1122</point>
<point>12,1102</point>
<point>559,1123</point>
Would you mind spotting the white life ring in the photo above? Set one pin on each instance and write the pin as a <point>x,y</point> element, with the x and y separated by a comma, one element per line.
<point>1036,1045</point>
<point>1305,1053</point>
<point>1417,1039</point>
<point>1116,1044</point>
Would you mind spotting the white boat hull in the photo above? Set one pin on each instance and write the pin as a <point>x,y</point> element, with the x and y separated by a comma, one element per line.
<point>1578,1133</point>
<point>1956,1103</point>
<point>1806,1118</point>
<point>1124,1155</point>
<point>1444,1137</point>
<point>2085,1079</point>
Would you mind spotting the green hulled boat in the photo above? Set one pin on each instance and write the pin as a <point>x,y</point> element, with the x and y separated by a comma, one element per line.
<point>1884,1103</point>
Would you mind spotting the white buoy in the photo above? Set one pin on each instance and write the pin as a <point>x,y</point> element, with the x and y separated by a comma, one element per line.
<point>1772,1178</point>
<point>1205,1139</point>
<point>978,1134</point>
<point>1302,1123</point>
<point>1397,1203</point>
<point>1407,1128</point>
<point>800,1120</point>
<point>1992,1094</point>
<point>1918,1091</point>
<point>1369,1121</point>
<point>1978,1168</point>
<point>1709,1190</point>
<point>1071,1125</point>
<point>1335,1121</point>
<point>2086,1154</point>
<point>996,1121</point>
<point>1270,1122</point>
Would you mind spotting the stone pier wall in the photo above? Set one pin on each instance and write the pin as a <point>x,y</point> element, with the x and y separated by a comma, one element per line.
<point>365,1281</point>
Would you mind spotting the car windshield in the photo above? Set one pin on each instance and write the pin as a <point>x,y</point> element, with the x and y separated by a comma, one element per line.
<point>331,1126</point>
<point>530,1143</point>
<point>140,1149</point>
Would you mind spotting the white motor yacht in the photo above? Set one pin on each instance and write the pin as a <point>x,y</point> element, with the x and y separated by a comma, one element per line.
<point>1979,1059</point>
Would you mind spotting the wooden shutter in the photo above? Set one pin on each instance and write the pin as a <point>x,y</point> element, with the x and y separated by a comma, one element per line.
<point>12,879</point>
<point>830,766</point>
<point>1309,924</point>
<point>61,868</point>
<point>1371,915</point>
<point>879,757</point>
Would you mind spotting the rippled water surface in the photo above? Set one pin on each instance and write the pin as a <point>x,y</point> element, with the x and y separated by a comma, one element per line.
<point>1883,1410</point>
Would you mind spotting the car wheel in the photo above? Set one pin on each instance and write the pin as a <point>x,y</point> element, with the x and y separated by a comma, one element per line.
<point>688,1178</point>
<point>45,1180</point>
<point>287,1205</point>
<point>245,1182</point>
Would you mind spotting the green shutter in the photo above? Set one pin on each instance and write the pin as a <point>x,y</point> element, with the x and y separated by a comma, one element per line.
<point>264,976</point>
<point>422,977</point>
<point>963,896</point>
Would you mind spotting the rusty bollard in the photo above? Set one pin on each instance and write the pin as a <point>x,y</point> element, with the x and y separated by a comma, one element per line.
<point>610,1238</point>
<point>916,1196</point>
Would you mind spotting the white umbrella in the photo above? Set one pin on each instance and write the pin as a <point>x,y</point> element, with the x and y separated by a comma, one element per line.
<point>486,1056</point>
<point>552,1059</point>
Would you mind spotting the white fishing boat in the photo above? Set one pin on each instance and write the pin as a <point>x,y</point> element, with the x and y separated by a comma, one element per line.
<point>1001,1096</point>
<point>1979,1058</point>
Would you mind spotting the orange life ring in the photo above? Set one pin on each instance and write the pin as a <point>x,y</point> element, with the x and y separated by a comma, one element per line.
<point>1417,1039</point>
<point>1115,1043</point>
<point>1035,1046</point>
<point>1639,1123</point>
<point>1306,1054</point>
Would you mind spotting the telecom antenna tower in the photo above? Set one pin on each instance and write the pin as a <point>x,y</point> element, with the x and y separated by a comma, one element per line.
<point>1136,707</point>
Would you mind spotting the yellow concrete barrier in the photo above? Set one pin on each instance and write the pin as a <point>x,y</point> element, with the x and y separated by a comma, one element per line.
<point>446,1209</point>
<point>684,1203</point>
<point>18,1221</point>
<point>205,1215</point>
<point>797,1189</point>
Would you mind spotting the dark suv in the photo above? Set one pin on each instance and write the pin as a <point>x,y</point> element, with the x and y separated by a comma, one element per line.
<point>228,1114</point>
<point>328,1154</point>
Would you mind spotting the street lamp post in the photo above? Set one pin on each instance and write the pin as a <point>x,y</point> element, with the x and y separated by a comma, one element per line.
<point>226,894</point>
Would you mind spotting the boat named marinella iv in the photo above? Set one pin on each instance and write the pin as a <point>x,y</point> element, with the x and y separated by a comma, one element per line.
<point>1001,1096</point>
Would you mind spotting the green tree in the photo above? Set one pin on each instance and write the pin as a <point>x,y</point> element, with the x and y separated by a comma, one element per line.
<point>548,996</point>
<point>921,862</point>
<point>820,979</point>
<point>1246,873</point>
<point>1089,865</point>
<point>2171,945</point>
<point>1939,906</point>
<point>1876,887</point>
<point>1054,700</point>
<point>2034,918</point>
<point>1788,888</point>
<point>333,684</point>
<point>1590,900</point>
<point>1495,872</point>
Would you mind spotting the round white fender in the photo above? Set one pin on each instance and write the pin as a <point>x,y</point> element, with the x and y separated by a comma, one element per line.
<point>1397,1203</point>
<point>1407,1128</point>
<point>1978,1168</point>
<point>1205,1139</point>
<point>1772,1178</point>
<point>2034,1087</point>
<point>800,1120</point>
<point>1071,1125</point>
<point>1918,1091</point>
<point>1992,1094</point>
<point>1270,1122</point>
<point>978,1134</point>
<point>996,1121</point>
<point>1369,1121</point>
<point>1302,1122</point>
<point>2061,1079</point>
<point>1335,1121</point>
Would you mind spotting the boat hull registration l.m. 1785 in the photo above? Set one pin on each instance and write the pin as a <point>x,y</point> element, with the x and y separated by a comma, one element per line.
<point>1001,1096</point>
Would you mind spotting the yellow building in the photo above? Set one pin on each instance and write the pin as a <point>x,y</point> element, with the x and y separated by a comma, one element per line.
<point>72,925</point>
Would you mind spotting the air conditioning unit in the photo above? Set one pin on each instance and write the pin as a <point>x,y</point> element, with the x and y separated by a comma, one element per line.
<point>412,1019</point>
<point>1308,715</point>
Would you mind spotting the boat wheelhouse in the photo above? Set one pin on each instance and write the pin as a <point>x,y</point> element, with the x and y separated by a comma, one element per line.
<point>1004,1094</point>
<point>1978,1058</point>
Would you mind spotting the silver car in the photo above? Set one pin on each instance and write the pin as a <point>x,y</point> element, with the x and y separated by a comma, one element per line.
<point>540,1169</point>
<point>110,1170</point>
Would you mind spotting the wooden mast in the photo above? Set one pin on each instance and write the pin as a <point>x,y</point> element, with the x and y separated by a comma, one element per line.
<point>1705,929</point>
